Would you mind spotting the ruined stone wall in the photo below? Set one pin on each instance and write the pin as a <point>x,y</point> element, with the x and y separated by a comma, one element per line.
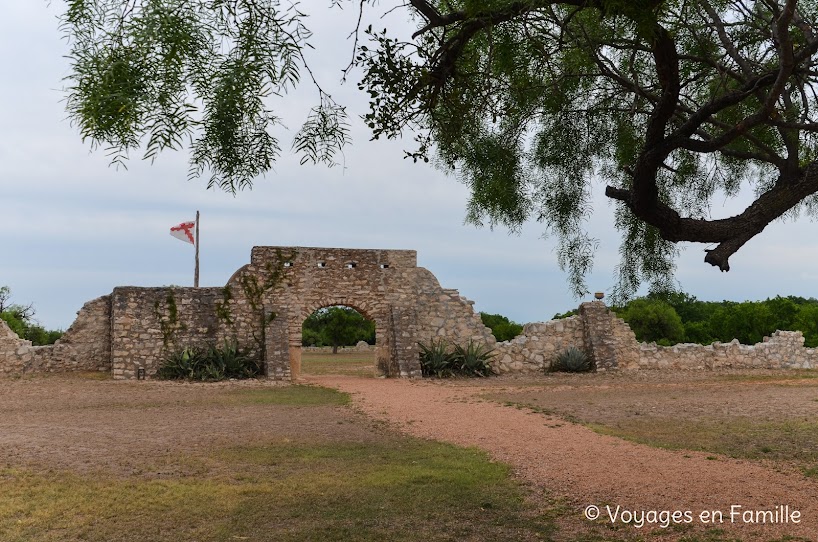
<point>405,301</point>
<point>611,344</point>
<point>447,315</point>
<point>85,346</point>
<point>150,323</point>
<point>264,304</point>
<point>535,348</point>
<point>783,350</point>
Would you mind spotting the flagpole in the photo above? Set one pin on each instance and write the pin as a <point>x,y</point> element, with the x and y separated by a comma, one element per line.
<point>196,272</point>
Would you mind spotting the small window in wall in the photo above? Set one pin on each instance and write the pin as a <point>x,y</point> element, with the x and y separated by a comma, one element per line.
<point>288,264</point>
<point>322,265</point>
<point>384,266</point>
<point>351,265</point>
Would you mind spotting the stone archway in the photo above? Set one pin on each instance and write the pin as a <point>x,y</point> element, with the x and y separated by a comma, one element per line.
<point>296,329</point>
<point>405,301</point>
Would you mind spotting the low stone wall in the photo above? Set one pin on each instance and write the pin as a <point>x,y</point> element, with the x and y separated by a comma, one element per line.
<point>611,344</point>
<point>535,348</point>
<point>85,346</point>
<point>783,350</point>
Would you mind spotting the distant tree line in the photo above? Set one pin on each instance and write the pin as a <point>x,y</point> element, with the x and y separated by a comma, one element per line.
<point>20,318</point>
<point>681,318</point>
<point>337,326</point>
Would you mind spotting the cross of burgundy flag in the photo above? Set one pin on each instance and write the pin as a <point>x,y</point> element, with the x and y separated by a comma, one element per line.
<point>184,232</point>
<point>189,233</point>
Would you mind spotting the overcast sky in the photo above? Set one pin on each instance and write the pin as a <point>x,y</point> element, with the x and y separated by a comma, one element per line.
<point>72,228</point>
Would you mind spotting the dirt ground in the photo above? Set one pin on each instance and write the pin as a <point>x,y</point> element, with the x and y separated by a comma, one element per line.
<point>145,428</point>
<point>137,428</point>
<point>569,461</point>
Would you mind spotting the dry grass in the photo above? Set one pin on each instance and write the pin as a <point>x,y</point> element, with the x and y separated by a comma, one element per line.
<point>769,416</point>
<point>114,461</point>
<point>350,364</point>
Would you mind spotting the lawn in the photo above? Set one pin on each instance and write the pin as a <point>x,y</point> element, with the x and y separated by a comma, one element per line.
<point>351,363</point>
<point>84,459</point>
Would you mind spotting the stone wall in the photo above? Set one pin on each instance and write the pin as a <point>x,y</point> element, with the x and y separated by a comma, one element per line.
<point>611,344</point>
<point>361,348</point>
<point>85,346</point>
<point>405,301</point>
<point>149,323</point>
<point>783,350</point>
<point>264,304</point>
<point>535,348</point>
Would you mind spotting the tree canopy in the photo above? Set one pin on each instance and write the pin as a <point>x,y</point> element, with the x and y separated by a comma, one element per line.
<point>671,318</point>
<point>672,105</point>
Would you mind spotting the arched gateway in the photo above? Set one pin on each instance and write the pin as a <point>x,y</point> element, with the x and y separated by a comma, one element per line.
<point>265,303</point>
<point>405,301</point>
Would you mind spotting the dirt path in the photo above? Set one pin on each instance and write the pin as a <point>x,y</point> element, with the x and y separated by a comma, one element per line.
<point>571,461</point>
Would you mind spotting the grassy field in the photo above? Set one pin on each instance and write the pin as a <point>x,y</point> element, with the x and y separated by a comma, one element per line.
<point>325,473</point>
<point>97,460</point>
<point>758,416</point>
<point>352,364</point>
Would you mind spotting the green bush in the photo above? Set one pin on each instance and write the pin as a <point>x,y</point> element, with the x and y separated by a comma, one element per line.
<point>571,360</point>
<point>473,359</point>
<point>436,359</point>
<point>501,327</point>
<point>653,320</point>
<point>209,364</point>
<point>439,360</point>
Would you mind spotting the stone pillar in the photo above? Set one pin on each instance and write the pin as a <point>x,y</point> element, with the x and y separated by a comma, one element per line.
<point>598,338</point>
<point>277,344</point>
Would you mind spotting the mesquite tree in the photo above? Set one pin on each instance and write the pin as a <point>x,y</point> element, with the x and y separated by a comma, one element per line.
<point>670,104</point>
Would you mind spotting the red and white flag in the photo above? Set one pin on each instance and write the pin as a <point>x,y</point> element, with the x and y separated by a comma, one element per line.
<point>185,232</point>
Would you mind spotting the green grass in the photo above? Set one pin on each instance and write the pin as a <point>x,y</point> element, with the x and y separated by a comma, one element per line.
<point>359,482</point>
<point>289,396</point>
<point>353,364</point>
<point>746,438</point>
<point>399,489</point>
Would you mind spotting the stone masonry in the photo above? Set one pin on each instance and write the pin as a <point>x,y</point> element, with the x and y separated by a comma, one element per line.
<point>85,346</point>
<point>262,308</point>
<point>264,304</point>
<point>611,344</point>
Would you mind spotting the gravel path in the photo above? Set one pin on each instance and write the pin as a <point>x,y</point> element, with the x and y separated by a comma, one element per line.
<point>587,468</point>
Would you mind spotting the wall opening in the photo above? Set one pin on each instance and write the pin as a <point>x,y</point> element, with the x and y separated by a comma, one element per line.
<point>337,339</point>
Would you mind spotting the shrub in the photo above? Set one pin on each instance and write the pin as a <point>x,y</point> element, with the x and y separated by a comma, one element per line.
<point>473,359</point>
<point>438,359</point>
<point>210,363</point>
<point>501,327</point>
<point>571,360</point>
<point>653,320</point>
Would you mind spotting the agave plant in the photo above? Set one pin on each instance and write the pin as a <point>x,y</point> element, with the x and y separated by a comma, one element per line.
<point>572,360</point>
<point>211,363</point>
<point>181,364</point>
<point>436,359</point>
<point>473,360</point>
